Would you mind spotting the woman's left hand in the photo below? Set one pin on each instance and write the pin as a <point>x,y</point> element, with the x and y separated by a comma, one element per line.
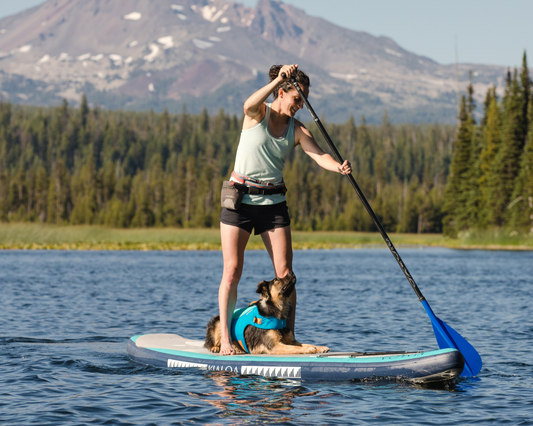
<point>345,168</point>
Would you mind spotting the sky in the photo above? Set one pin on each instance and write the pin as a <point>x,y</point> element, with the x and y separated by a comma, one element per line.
<point>494,32</point>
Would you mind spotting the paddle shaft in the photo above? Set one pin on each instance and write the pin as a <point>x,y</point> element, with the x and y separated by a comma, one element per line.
<point>359,192</point>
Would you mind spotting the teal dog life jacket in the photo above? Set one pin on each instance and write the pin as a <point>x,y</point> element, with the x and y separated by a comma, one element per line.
<point>251,316</point>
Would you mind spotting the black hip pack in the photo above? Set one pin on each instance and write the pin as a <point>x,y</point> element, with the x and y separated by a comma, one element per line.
<point>233,191</point>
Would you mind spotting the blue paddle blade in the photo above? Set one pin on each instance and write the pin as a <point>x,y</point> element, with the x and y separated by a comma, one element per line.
<point>447,337</point>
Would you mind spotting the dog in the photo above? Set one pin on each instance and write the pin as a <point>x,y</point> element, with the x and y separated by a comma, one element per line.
<point>273,302</point>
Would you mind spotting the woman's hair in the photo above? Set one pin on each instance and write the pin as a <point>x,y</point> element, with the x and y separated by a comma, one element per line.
<point>286,85</point>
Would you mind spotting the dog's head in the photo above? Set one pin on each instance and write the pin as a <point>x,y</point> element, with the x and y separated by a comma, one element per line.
<point>277,291</point>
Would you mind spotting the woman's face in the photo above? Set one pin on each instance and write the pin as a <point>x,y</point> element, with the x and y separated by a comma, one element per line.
<point>291,101</point>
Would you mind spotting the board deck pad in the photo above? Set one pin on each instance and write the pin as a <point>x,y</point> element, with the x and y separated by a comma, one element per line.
<point>174,351</point>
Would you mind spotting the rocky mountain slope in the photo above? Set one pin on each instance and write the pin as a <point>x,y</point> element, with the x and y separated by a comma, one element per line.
<point>140,54</point>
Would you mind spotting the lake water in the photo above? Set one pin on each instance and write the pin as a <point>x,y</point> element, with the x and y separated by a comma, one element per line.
<point>66,318</point>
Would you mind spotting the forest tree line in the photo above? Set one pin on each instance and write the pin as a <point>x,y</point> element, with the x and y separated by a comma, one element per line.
<point>65,165</point>
<point>491,174</point>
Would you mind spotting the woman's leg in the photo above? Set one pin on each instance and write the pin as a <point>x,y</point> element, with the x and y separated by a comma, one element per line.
<point>278,243</point>
<point>234,242</point>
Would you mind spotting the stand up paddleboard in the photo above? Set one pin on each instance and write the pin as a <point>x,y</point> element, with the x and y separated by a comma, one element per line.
<point>173,351</point>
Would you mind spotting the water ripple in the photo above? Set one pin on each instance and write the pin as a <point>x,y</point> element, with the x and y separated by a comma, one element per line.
<point>66,318</point>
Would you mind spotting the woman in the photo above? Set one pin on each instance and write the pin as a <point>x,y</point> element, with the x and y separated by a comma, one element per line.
<point>269,133</point>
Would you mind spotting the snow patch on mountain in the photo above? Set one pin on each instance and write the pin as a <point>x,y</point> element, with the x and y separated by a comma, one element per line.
<point>117,59</point>
<point>392,52</point>
<point>44,59</point>
<point>202,44</point>
<point>133,16</point>
<point>154,51</point>
<point>432,81</point>
<point>210,13</point>
<point>167,42</point>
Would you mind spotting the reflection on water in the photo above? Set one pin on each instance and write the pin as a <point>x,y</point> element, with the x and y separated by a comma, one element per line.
<point>273,400</point>
<point>264,399</point>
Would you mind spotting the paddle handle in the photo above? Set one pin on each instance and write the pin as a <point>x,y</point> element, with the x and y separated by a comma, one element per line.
<point>362,197</point>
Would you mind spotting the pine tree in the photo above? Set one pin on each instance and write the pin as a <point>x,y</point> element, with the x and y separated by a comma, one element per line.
<point>363,154</point>
<point>141,202</point>
<point>471,189</point>
<point>191,178</point>
<point>17,196</point>
<point>525,100</point>
<point>120,210</point>
<point>349,135</point>
<point>520,210</point>
<point>410,221</point>
<point>507,160</point>
<point>4,191</point>
<point>456,194</point>
<point>380,158</point>
<point>157,190</point>
<point>84,188</point>
<point>41,193</point>
<point>491,141</point>
<point>385,206</point>
<point>84,110</point>
<point>59,203</point>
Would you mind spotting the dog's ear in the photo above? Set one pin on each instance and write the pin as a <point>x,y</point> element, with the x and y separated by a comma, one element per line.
<point>291,276</point>
<point>262,289</point>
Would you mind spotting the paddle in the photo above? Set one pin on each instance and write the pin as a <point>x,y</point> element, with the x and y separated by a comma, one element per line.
<point>446,336</point>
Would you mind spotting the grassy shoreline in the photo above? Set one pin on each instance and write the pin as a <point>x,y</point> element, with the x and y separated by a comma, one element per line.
<point>31,236</point>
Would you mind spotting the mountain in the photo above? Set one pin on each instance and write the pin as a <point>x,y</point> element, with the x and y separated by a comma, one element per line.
<point>142,54</point>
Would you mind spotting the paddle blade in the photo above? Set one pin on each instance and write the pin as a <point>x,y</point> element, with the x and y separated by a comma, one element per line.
<point>447,337</point>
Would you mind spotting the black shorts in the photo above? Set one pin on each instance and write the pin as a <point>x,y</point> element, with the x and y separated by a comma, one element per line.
<point>259,218</point>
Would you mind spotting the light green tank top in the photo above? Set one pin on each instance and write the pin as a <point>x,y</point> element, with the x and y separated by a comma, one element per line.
<point>262,156</point>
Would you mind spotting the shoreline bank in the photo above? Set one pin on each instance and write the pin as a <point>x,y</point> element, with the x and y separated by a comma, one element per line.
<point>30,236</point>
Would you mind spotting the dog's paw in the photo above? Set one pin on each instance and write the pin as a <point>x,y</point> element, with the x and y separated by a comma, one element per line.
<point>310,349</point>
<point>322,349</point>
<point>215,349</point>
<point>238,350</point>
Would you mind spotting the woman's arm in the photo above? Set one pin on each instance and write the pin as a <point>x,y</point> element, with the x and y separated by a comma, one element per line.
<point>254,106</point>
<point>304,137</point>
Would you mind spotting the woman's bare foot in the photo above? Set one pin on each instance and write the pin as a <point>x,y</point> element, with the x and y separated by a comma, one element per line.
<point>226,349</point>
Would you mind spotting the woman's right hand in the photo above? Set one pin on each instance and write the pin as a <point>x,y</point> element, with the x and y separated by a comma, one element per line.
<point>288,70</point>
<point>254,108</point>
